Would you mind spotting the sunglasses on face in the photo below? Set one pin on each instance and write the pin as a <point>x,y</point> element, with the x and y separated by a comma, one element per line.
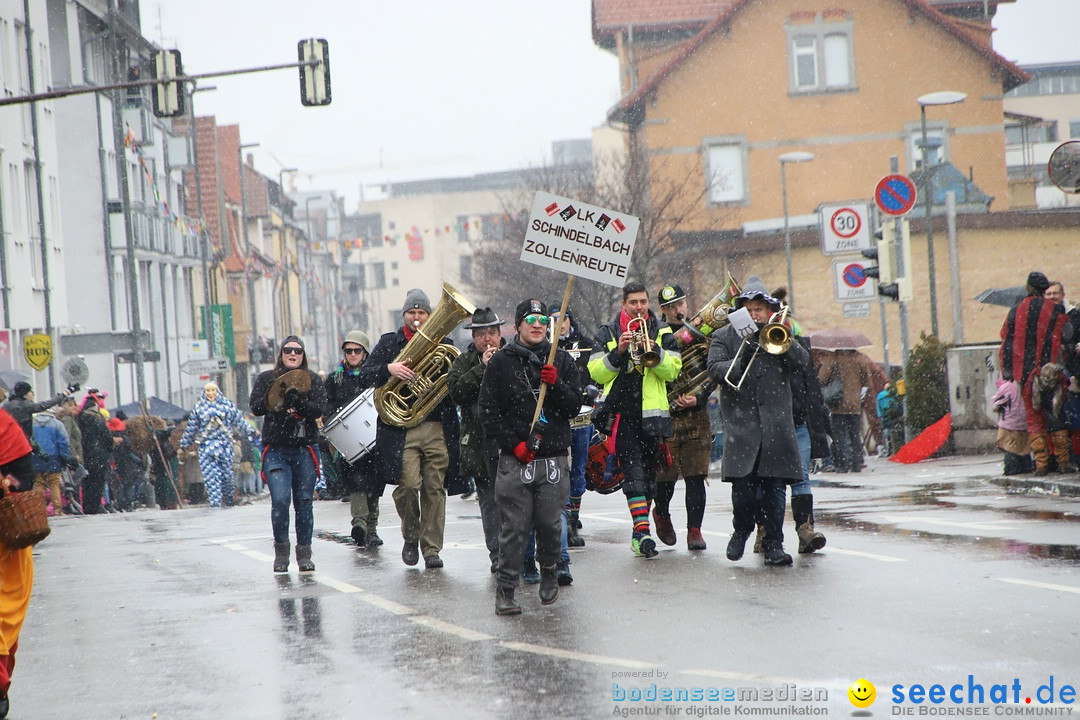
<point>292,351</point>
<point>542,319</point>
<point>354,351</point>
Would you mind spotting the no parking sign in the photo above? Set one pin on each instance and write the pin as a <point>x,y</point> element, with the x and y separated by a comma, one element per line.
<point>851,280</point>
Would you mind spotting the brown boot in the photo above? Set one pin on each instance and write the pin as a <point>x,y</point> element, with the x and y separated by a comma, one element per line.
<point>1061,451</point>
<point>1039,450</point>
<point>759,539</point>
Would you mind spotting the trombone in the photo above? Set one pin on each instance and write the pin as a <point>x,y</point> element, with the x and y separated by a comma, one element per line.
<point>642,350</point>
<point>774,338</point>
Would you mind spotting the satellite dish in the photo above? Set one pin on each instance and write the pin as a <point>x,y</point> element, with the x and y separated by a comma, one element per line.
<point>75,372</point>
<point>1064,166</point>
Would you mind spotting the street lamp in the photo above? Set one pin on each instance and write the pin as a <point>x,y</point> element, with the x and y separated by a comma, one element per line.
<point>203,242</point>
<point>943,97</point>
<point>254,356</point>
<point>285,298</point>
<point>791,157</point>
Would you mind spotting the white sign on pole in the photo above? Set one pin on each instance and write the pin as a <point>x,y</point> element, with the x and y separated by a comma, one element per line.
<point>851,280</point>
<point>580,239</point>
<point>845,227</point>
<point>855,310</point>
<point>205,367</point>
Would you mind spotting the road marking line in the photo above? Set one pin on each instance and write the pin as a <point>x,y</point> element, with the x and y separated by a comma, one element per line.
<point>257,555</point>
<point>337,584</point>
<point>235,546</point>
<point>1042,585</point>
<point>388,605</point>
<point>450,629</point>
<point>859,553</point>
<point>571,655</point>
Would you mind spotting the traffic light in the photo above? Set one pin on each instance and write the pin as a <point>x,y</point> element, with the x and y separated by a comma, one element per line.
<point>885,255</point>
<point>315,78</point>
<point>168,93</point>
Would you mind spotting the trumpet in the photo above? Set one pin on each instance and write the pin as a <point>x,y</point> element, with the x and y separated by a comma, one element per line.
<point>642,349</point>
<point>774,338</point>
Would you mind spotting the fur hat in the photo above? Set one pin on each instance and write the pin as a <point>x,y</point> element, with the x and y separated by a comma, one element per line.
<point>416,299</point>
<point>527,307</point>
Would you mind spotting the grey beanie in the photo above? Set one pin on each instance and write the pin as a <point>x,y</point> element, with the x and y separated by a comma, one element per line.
<point>416,299</point>
<point>754,289</point>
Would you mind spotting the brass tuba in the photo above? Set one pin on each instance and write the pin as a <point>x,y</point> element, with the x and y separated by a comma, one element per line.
<point>405,403</point>
<point>692,341</point>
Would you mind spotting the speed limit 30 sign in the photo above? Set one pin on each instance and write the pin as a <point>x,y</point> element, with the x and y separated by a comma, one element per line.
<point>845,227</point>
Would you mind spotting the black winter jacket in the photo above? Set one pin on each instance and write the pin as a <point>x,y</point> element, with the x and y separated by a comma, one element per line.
<point>508,397</point>
<point>23,411</point>
<point>281,429</point>
<point>342,387</point>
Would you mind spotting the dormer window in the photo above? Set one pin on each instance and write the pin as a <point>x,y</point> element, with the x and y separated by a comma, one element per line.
<point>821,55</point>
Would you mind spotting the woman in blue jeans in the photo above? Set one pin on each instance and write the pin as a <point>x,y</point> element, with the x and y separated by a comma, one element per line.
<point>290,460</point>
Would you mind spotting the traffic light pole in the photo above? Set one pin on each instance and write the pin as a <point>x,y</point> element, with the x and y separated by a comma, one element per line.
<point>901,271</point>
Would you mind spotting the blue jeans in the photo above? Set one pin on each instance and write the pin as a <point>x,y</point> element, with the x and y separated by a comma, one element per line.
<point>579,456</point>
<point>291,473</point>
<point>802,435</point>
<point>717,452</point>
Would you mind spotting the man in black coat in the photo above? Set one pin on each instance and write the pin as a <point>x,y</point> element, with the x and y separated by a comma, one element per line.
<point>422,460</point>
<point>98,444</point>
<point>361,480</point>
<point>533,480</point>
<point>22,407</point>
<point>760,448</point>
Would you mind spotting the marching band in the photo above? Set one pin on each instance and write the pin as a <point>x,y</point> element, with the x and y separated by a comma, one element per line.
<point>625,411</point>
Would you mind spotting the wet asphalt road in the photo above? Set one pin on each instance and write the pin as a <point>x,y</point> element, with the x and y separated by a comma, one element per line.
<point>930,574</point>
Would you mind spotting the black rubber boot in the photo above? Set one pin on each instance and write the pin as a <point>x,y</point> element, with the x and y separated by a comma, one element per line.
<point>303,558</point>
<point>802,509</point>
<point>505,604</point>
<point>549,585</point>
<point>281,557</point>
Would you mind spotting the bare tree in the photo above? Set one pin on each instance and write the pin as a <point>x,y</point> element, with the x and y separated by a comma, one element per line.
<point>665,205</point>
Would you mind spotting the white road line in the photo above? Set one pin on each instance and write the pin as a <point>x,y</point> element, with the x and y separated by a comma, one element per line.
<point>388,605</point>
<point>257,555</point>
<point>580,657</point>
<point>336,584</point>
<point>450,629</point>
<point>1042,585</point>
<point>859,553</point>
<point>235,546</point>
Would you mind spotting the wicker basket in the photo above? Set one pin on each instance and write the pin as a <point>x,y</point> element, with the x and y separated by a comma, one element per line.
<point>24,520</point>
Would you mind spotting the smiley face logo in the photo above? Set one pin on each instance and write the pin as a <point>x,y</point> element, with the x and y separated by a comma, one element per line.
<point>862,693</point>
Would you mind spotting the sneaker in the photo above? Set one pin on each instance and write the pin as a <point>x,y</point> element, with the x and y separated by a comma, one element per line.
<point>564,576</point>
<point>664,530</point>
<point>359,535</point>
<point>530,575</point>
<point>644,547</point>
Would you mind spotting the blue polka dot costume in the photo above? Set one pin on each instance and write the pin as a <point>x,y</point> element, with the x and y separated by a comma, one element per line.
<point>211,425</point>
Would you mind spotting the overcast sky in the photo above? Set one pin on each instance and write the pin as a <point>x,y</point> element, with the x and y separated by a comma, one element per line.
<point>431,88</point>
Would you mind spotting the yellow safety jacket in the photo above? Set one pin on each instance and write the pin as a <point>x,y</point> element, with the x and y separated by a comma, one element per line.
<point>615,371</point>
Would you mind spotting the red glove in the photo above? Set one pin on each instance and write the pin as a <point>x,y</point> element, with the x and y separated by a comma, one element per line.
<point>524,454</point>
<point>548,374</point>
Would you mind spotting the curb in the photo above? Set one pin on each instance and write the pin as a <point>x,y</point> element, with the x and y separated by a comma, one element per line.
<point>1064,488</point>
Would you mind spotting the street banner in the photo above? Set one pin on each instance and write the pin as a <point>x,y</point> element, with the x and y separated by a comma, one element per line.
<point>221,331</point>
<point>580,239</point>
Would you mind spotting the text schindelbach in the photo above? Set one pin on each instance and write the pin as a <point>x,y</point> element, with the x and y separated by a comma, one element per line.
<point>580,239</point>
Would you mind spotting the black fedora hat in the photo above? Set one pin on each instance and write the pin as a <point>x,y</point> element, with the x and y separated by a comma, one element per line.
<point>484,318</point>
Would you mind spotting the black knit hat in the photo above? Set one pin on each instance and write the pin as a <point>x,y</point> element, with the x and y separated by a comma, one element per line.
<point>526,307</point>
<point>292,338</point>
<point>20,389</point>
<point>1037,283</point>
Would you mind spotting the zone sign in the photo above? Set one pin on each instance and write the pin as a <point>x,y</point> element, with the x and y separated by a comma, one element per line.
<point>845,227</point>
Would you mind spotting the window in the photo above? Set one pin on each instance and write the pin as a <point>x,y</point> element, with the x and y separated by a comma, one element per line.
<point>378,275</point>
<point>1074,128</point>
<point>725,170</point>
<point>821,57</point>
<point>465,268</point>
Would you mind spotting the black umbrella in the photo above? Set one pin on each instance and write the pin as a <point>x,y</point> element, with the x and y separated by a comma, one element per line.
<point>158,407</point>
<point>1005,297</point>
<point>8,378</point>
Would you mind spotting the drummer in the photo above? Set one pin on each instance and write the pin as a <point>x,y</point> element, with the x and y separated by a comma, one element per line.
<point>343,386</point>
<point>290,463</point>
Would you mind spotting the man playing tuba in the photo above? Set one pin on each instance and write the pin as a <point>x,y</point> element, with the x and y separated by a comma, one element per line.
<point>418,459</point>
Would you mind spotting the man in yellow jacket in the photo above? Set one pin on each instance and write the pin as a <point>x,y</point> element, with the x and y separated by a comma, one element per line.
<point>635,381</point>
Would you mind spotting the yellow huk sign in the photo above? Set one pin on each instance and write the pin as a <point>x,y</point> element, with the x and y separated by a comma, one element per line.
<point>38,350</point>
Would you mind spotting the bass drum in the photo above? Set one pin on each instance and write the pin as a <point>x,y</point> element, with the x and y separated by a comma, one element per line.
<point>602,471</point>
<point>352,430</point>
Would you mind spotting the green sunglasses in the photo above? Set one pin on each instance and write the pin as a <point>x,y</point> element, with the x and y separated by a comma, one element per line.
<point>543,319</point>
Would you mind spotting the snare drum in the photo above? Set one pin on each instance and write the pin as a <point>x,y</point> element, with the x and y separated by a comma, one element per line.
<point>583,419</point>
<point>352,430</point>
